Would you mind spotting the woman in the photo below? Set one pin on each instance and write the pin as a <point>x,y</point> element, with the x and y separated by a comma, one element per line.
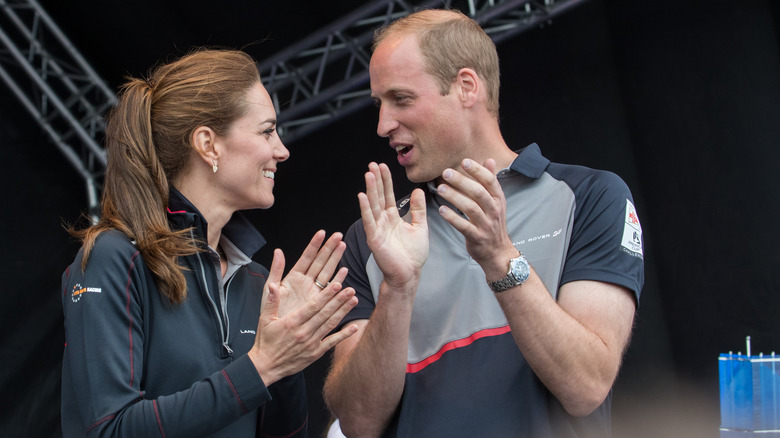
<point>164,334</point>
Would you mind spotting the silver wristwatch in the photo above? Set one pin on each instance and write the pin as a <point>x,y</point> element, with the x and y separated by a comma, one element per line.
<point>519,271</point>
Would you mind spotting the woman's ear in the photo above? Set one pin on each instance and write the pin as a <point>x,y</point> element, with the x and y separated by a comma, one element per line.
<point>203,141</point>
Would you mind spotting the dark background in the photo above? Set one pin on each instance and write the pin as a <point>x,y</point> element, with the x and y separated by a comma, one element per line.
<point>681,98</point>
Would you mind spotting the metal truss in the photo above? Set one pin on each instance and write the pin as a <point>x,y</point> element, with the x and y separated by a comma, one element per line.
<point>313,83</point>
<point>57,86</point>
<point>324,77</point>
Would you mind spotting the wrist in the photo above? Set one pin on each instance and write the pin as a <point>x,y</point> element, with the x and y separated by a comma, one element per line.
<point>518,272</point>
<point>264,369</point>
<point>401,287</point>
<point>404,280</point>
<point>498,267</point>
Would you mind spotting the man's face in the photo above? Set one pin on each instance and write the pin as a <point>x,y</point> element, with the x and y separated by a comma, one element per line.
<point>424,127</point>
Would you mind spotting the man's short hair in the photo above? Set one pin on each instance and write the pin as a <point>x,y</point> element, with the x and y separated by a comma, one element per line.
<point>449,41</point>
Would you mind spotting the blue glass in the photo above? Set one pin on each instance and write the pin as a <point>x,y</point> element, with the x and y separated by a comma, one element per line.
<point>749,396</point>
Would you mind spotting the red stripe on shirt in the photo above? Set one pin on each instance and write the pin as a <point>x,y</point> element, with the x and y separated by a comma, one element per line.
<point>159,421</point>
<point>235,393</point>
<point>458,343</point>
<point>129,314</point>
<point>99,422</point>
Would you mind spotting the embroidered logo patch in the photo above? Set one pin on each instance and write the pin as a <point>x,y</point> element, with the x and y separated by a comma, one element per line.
<point>632,231</point>
<point>78,291</point>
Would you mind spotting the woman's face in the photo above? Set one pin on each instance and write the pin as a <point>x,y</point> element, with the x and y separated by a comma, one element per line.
<point>249,153</point>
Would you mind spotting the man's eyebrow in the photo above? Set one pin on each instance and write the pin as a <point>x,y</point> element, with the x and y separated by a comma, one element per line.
<point>393,92</point>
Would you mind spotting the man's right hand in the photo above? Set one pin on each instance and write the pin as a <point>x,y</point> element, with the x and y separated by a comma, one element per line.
<point>400,248</point>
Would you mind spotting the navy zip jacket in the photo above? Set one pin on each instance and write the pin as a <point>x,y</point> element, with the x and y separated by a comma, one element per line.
<point>136,365</point>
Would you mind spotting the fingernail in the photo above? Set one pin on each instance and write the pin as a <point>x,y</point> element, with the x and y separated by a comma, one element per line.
<point>443,209</point>
<point>447,173</point>
<point>467,164</point>
<point>441,189</point>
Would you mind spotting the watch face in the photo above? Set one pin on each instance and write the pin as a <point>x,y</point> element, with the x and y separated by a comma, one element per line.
<point>520,269</point>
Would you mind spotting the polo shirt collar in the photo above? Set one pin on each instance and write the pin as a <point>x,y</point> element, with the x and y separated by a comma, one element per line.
<point>530,162</point>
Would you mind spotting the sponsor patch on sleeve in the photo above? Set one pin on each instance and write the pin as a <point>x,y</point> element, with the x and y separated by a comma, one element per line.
<point>79,291</point>
<point>632,231</point>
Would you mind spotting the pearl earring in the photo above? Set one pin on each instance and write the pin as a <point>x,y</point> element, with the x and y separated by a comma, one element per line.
<point>214,165</point>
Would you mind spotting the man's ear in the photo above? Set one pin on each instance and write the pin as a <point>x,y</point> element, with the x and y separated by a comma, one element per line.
<point>203,141</point>
<point>468,86</point>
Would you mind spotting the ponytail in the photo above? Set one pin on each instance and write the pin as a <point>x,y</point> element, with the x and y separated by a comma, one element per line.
<point>135,193</point>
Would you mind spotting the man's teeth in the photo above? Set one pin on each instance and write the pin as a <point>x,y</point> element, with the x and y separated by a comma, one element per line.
<point>401,149</point>
<point>268,174</point>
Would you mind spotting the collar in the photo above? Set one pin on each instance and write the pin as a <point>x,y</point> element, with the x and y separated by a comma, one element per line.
<point>530,162</point>
<point>241,233</point>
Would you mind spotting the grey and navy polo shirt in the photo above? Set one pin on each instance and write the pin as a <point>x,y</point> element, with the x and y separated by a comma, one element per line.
<point>465,375</point>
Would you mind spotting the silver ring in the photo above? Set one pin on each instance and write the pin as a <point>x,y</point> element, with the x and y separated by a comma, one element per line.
<point>320,285</point>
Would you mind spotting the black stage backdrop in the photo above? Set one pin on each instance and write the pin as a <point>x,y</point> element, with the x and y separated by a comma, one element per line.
<point>681,98</point>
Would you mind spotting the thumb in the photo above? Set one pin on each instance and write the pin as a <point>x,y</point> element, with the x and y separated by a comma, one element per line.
<point>271,309</point>
<point>417,208</point>
<point>277,267</point>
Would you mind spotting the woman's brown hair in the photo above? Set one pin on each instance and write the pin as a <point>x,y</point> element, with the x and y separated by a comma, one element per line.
<point>148,145</point>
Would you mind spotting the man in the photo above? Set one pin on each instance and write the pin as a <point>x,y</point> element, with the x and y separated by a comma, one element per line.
<point>450,343</point>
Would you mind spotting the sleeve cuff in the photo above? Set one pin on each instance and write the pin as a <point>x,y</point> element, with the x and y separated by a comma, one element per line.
<point>246,383</point>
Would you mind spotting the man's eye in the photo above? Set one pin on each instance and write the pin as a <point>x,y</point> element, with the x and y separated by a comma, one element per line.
<point>269,131</point>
